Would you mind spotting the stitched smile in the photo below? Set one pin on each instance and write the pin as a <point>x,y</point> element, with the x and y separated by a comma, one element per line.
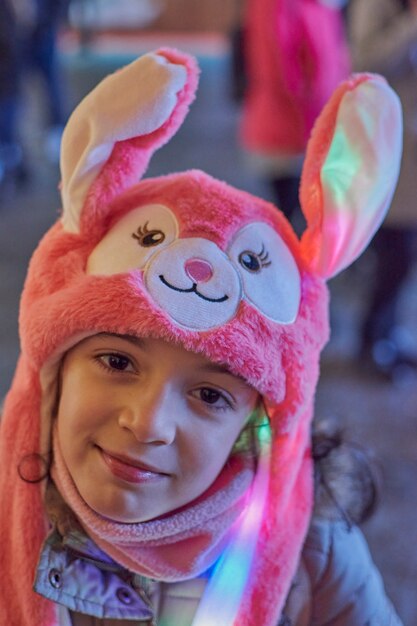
<point>192,289</point>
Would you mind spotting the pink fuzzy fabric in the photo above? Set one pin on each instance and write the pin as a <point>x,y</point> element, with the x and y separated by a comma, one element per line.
<point>61,303</point>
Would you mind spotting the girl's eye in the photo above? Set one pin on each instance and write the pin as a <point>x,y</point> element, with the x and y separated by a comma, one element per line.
<point>117,362</point>
<point>212,397</point>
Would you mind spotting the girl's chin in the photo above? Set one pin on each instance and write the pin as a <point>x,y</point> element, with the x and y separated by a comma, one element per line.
<point>116,507</point>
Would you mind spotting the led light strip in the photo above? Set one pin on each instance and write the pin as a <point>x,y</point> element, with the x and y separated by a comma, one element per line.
<point>221,600</point>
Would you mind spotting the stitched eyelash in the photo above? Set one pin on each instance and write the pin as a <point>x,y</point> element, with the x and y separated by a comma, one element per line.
<point>263,256</point>
<point>143,230</point>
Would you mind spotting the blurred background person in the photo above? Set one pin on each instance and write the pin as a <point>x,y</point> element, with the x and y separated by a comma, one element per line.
<point>28,34</point>
<point>42,56</point>
<point>10,150</point>
<point>383,36</point>
<point>295,54</point>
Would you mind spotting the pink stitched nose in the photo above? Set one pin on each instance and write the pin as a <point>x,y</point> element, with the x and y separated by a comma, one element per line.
<point>198,270</point>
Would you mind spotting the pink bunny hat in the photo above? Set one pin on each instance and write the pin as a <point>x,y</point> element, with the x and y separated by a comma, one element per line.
<point>192,260</point>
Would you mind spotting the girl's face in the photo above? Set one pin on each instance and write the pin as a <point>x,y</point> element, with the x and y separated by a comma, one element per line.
<point>144,426</point>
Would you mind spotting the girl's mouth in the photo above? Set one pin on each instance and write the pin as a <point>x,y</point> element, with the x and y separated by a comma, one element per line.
<point>126,470</point>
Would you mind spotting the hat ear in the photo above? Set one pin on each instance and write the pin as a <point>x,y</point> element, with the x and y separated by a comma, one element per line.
<point>113,132</point>
<point>350,172</point>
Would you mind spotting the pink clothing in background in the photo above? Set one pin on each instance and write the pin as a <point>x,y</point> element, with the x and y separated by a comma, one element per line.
<point>296,54</point>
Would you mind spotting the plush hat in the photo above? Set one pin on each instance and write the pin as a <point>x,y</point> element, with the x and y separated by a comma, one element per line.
<point>191,260</point>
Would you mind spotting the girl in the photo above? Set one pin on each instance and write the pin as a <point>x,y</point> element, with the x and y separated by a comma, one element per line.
<point>155,445</point>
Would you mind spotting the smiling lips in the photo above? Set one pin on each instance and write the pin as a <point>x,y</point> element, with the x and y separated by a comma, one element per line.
<point>126,470</point>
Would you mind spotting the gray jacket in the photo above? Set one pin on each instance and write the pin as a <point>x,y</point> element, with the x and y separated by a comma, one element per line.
<point>337,584</point>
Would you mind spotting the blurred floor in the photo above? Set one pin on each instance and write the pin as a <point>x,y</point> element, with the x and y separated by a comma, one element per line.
<point>372,411</point>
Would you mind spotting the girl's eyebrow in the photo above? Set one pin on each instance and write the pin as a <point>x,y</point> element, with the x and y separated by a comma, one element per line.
<point>137,341</point>
<point>216,368</point>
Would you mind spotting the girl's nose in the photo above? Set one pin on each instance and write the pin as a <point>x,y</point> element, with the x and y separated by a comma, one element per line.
<point>150,421</point>
<point>199,270</point>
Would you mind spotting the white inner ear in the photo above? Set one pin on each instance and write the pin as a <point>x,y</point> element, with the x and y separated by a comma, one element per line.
<point>132,102</point>
<point>133,240</point>
<point>270,277</point>
<point>359,174</point>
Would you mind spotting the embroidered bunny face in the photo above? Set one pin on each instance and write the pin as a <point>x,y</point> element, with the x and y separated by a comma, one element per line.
<point>199,285</point>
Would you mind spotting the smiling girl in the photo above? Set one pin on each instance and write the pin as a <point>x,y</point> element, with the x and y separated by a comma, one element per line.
<point>171,332</point>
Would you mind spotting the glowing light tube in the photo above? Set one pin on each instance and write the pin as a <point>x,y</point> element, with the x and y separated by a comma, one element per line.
<point>222,597</point>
